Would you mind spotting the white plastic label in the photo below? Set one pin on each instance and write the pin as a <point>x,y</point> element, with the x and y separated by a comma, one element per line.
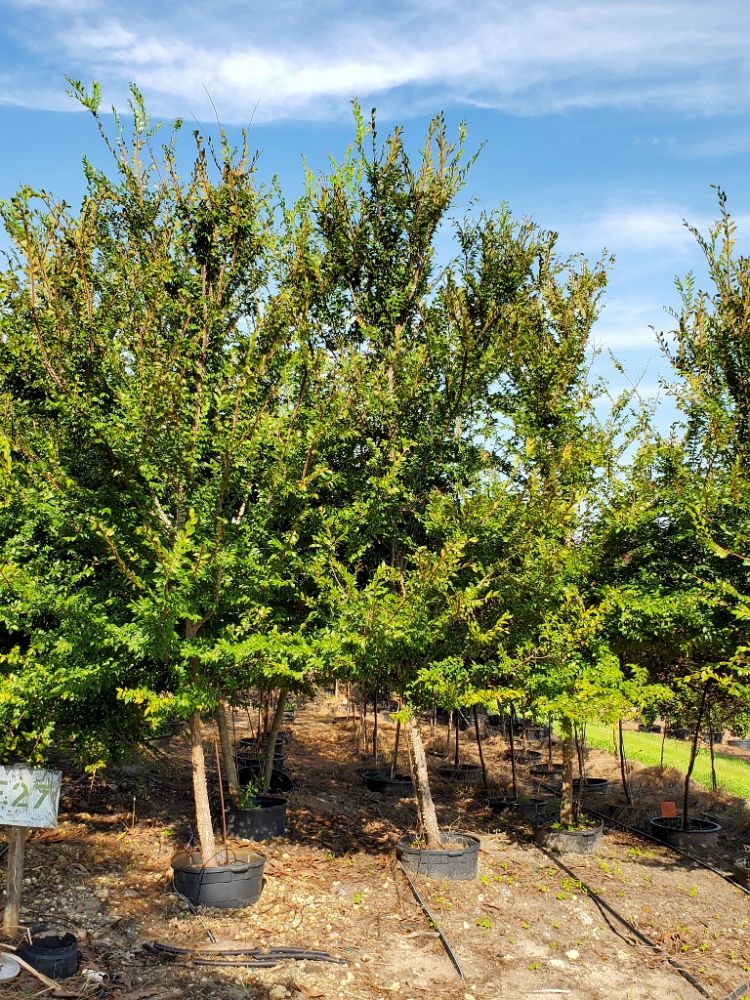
<point>29,797</point>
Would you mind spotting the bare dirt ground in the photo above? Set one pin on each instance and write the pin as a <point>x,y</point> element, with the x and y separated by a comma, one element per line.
<point>527,927</point>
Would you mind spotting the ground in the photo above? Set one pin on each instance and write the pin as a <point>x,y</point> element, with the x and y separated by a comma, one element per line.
<point>527,927</point>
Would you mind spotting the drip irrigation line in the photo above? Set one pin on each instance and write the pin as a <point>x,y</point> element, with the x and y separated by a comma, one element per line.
<point>3,850</point>
<point>609,821</point>
<point>742,990</point>
<point>604,905</point>
<point>443,940</point>
<point>248,957</point>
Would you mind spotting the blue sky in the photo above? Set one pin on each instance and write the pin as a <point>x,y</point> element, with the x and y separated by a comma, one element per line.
<point>606,120</point>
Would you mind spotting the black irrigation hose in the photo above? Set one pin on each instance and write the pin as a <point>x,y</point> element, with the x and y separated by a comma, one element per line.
<point>736,994</point>
<point>3,850</point>
<point>609,821</point>
<point>677,850</point>
<point>604,905</point>
<point>273,955</point>
<point>430,916</point>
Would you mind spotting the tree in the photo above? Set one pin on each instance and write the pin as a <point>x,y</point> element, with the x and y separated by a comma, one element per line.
<point>159,405</point>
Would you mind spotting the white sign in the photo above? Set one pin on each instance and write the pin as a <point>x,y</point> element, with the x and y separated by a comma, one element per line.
<point>29,797</point>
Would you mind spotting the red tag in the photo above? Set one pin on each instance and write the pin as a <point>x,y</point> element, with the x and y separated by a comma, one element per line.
<point>668,810</point>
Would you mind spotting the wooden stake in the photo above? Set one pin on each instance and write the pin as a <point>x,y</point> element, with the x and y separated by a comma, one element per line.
<point>16,850</point>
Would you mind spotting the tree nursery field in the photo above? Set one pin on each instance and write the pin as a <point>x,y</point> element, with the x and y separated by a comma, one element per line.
<point>330,573</point>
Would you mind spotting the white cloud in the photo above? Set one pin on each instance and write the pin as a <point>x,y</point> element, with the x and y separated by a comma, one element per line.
<point>307,59</point>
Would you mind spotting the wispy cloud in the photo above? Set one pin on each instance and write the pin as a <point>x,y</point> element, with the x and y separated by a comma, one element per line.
<point>297,58</point>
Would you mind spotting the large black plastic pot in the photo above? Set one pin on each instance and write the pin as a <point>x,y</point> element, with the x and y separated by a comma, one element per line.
<point>741,871</point>
<point>250,759</point>
<point>547,772</point>
<point>456,863</point>
<point>591,786</point>
<point>648,727</point>
<point>585,841</point>
<point>526,756</point>
<point>235,884</point>
<point>678,733</point>
<point>265,819</point>
<point>469,774</point>
<point>54,955</point>
<point>534,810</point>
<point>381,781</point>
<point>700,832</point>
<point>251,771</point>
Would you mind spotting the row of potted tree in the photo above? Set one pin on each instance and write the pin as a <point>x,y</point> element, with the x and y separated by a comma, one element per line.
<point>248,442</point>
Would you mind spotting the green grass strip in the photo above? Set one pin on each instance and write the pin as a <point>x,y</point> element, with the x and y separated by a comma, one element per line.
<point>732,773</point>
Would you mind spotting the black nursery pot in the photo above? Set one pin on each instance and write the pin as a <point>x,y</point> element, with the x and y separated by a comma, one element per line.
<point>584,841</point>
<point>590,786</point>
<point>699,833</point>
<point>252,770</point>
<point>235,884</point>
<point>469,774</point>
<point>525,756</point>
<point>534,810</point>
<point>741,871</point>
<point>54,955</point>
<point>266,819</point>
<point>381,781</point>
<point>457,863</point>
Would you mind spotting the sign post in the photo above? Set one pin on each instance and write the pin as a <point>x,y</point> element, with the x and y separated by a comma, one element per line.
<point>28,798</point>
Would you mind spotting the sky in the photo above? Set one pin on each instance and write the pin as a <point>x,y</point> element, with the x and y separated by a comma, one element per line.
<point>605,120</point>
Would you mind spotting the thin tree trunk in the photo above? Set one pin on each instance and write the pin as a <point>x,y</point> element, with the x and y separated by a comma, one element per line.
<point>579,752</point>
<point>425,806</point>
<point>227,752</point>
<point>691,762</point>
<point>375,727</point>
<point>566,792</point>
<point>395,749</point>
<point>266,713</point>
<point>623,768</point>
<point>278,716</point>
<point>448,741</point>
<point>514,784</point>
<point>479,747</point>
<point>14,886</point>
<point>203,821</point>
<point>663,741</point>
<point>714,782</point>
<point>434,720</point>
<point>549,740</point>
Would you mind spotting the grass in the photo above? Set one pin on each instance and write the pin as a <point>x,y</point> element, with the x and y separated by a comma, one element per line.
<point>732,773</point>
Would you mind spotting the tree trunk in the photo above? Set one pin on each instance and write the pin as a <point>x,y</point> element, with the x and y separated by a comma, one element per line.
<point>714,782</point>
<point>375,727</point>
<point>456,758</point>
<point>479,747</point>
<point>425,806</point>
<point>549,739</point>
<point>623,768</point>
<point>514,783</point>
<point>691,762</point>
<point>14,885</point>
<point>663,741</point>
<point>395,749</point>
<point>227,752</point>
<point>203,821</point>
<point>579,753</point>
<point>278,716</point>
<point>566,792</point>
